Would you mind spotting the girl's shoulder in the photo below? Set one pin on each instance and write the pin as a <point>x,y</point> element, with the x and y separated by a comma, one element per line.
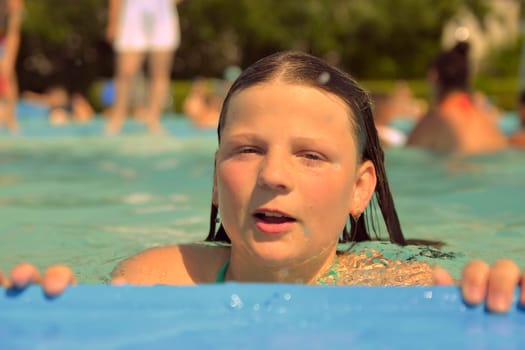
<point>184,264</point>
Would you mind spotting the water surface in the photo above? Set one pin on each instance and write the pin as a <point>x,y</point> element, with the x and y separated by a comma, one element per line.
<point>69,195</point>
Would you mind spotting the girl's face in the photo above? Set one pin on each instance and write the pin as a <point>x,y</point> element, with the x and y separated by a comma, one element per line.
<point>287,174</point>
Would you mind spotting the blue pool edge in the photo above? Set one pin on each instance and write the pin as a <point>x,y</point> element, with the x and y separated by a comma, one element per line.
<point>258,316</point>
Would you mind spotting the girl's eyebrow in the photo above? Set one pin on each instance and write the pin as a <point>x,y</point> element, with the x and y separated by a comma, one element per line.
<point>314,139</point>
<point>240,137</point>
<point>243,135</point>
<point>317,137</point>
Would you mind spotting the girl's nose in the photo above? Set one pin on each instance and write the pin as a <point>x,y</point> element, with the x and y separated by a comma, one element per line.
<point>275,172</point>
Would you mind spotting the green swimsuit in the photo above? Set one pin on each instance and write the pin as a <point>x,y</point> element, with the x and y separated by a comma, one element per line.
<point>221,276</point>
<point>331,275</point>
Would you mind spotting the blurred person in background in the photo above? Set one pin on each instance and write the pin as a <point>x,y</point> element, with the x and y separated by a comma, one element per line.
<point>455,123</point>
<point>517,139</point>
<point>137,97</point>
<point>201,105</point>
<point>10,23</point>
<point>398,106</point>
<point>139,29</point>
<point>204,101</point>
<point>62,107</point>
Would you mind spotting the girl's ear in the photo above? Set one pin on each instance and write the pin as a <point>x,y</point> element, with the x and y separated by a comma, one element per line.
<point>215,195</point>
<point>365,186</point>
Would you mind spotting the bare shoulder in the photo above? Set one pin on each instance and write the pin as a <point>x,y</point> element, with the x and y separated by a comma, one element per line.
<point>518,139</point>
<point>434,131</point>
<point>423,127</point>
<point>174,265</point>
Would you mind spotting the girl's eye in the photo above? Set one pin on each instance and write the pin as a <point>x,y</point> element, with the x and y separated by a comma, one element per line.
<point>248,150</point>
<point>312,156</point>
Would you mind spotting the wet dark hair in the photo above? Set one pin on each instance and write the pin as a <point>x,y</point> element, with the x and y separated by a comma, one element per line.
<point>452,69</point>
<point>521,106</point>
<point>521,99</point>
<point>301,68</point>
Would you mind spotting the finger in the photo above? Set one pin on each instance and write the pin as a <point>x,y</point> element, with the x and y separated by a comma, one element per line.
<point>56,279</point>
<point>4,281</point>
<point>442,277</point>
<point>119,281</point>
<point>503,280</point>
<point>474,282</point>
<point>522,293</point>
<point>24,274</point>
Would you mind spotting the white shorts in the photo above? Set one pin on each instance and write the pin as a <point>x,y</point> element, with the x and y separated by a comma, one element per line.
<point>148,25</point>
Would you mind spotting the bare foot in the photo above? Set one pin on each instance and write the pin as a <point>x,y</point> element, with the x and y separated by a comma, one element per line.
<point>155,127</point>
<point>11,124</point>
<point>113,126</point>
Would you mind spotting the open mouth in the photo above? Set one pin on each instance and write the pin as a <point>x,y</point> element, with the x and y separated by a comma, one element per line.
<point>273,218</point>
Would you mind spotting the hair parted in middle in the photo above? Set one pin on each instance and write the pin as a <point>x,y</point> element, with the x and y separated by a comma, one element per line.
<point>304,69</point>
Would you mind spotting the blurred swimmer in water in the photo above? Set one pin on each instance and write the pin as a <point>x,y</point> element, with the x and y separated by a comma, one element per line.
<point>455,123</point>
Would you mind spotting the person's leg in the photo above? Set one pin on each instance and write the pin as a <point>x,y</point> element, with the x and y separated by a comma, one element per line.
<point>159,69</point>
<point>10,100</point>
<point>128,64</point>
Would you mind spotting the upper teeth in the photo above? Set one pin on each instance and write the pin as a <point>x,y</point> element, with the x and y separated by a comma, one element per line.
<point>273,214</point>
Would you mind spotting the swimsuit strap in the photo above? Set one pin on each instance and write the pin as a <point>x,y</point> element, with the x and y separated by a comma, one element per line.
<point>221,276</point>
<point>332,276</point>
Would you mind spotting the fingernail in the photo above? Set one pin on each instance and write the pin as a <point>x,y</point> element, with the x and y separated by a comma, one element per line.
<point>473,295</point>
<point>498,302</point>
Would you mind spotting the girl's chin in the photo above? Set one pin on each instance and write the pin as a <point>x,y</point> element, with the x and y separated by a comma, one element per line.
<point>276,253</point>
<point>278,258</point>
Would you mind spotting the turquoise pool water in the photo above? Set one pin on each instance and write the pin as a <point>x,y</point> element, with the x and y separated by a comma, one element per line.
<point>69,195</point>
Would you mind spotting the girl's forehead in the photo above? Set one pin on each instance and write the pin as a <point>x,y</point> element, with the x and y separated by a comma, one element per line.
<point>294,97</point>
<point>293,111</point>
<point>286,93</point>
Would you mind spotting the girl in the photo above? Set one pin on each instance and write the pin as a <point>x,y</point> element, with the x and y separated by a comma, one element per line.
<point>298,160</point>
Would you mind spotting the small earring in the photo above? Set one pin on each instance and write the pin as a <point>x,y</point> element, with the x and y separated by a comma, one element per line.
<point>217,220</point>
<point>356,217</point>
